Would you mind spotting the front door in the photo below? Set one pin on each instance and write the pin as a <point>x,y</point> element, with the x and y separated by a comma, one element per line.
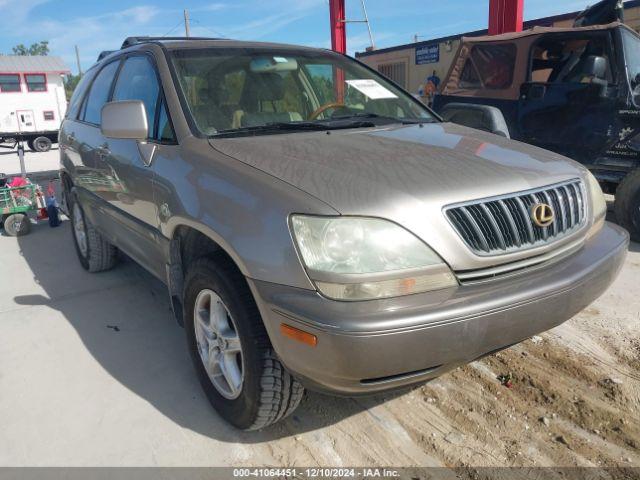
<point>118,183</point>
<point>562,108</point>
<point>132,172</point>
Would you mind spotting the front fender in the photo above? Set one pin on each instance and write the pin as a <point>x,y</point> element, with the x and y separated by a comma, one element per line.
<point>244,210</point>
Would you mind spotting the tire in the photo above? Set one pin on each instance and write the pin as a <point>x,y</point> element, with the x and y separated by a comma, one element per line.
<point>94,252</point>
<point>30,145</point>
<point>267,393</point>
<point>41,144</point>
<point>17,225</point>
<point>627,204</point>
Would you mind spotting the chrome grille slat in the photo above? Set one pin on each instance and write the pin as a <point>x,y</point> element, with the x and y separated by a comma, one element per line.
<point>494,225</point>
<point>511,221</point>
<point>524,215</point>
<point>572,213</point>
<point>499,225</point>
<point>550,202</point>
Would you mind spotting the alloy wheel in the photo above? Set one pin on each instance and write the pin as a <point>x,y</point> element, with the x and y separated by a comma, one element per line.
<point>218,344</point>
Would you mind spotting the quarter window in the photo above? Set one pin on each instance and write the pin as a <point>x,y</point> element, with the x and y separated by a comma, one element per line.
<point>138,81</point>
<point>9,82</point>
<point>99,93</point>
<point>164,131</point>
<point>495,64</point>
<point>36,82</point>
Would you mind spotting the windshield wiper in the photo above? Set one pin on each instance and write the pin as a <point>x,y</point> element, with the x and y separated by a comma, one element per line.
<point>322,125</point>
<point>375,116</point>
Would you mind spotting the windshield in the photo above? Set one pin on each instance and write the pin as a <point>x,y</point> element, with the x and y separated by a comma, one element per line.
<point>632,57</point>
<point>239,89</point>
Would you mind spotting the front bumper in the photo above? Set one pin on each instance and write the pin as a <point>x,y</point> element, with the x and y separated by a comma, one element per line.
<point>371,346</point>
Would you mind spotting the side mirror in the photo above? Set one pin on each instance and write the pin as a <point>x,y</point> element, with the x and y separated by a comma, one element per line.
<point>480,117</point>
<point>596,67</point>
<point>125,120</point>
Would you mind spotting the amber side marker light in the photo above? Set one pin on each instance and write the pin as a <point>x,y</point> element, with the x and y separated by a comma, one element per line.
<point>299,335</point>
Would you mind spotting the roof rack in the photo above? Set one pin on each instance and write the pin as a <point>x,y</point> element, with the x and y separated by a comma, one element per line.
<point>104,54</point>
<point>129,41</point>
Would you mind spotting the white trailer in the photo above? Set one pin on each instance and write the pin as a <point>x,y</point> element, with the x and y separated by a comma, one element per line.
<point>32,100</point>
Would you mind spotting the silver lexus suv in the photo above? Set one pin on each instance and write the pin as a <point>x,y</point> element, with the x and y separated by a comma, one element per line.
<point>318,227</point>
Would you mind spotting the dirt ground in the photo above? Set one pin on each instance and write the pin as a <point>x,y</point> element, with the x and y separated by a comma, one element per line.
<point>94,371</point>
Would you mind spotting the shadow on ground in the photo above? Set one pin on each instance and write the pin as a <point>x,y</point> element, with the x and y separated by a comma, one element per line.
<point>123,318</point>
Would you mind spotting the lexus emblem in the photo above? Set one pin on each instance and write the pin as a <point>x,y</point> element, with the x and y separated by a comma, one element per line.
<point>542,215</point>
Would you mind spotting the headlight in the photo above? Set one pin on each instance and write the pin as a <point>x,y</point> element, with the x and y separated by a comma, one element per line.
<point>598,204</point>
<point>352,258</point>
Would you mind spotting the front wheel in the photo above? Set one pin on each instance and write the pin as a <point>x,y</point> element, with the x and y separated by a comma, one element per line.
<point>233,357</point>
<point>628,204</point>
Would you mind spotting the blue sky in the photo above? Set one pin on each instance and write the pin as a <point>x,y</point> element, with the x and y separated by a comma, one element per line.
<point>102,25</point>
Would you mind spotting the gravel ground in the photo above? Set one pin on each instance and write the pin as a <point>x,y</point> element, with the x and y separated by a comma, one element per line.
<point>94,371</point>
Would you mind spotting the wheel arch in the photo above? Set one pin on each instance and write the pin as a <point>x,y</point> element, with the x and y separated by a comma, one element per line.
<point>189,242</point>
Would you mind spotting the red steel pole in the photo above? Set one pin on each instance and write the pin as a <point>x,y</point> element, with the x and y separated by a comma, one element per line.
<point>505,16</point>
<point>337,13</point>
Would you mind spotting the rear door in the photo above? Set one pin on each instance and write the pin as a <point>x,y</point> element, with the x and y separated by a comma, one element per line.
<point>561,108</point>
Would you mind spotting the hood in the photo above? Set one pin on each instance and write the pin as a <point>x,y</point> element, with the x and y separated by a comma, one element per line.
<point>403,173</point>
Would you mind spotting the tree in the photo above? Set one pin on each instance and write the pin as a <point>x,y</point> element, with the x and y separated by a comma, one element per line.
<point>40,48</point>
<point>70,83</point>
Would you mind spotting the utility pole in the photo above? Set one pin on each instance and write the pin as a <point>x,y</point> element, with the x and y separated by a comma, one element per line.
<point>187,29</point>
<point>78,61</point>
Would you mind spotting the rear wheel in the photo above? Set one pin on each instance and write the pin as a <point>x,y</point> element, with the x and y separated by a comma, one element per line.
<point>41,144</point>
<point>17,224</point>
<point>94,252</point>
<point>30,145</point>
<point>233,357</point>
<point>628,204</point>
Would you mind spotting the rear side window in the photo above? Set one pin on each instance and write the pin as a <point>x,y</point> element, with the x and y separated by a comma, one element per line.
<point>78,95</point>
<point>495,64</point>
<point>99,93</point>
<point>138,81</point>
<point>9,82</point>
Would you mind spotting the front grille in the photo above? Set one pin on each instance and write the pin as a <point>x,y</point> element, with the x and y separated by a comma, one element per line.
<point>504,225</point>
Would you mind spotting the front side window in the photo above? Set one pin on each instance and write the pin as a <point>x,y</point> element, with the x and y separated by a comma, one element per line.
<point>99,93</point>
<point>566,60</point>
<point>234,89</point>
<point>632,59</point>
<point>78,95</point>
<point>9,82</point>
<point>137,80</point>
<point>36,82</point>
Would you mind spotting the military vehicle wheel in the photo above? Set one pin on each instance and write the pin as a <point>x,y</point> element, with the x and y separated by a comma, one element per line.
<point>628,204</point>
